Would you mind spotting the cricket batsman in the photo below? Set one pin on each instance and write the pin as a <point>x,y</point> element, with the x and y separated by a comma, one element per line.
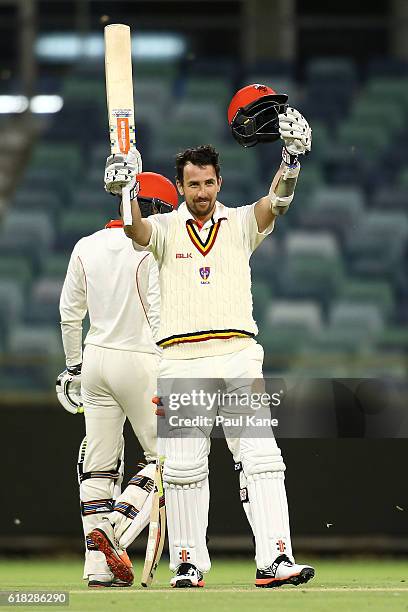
<point>116,376</point>
<point>207,331</point>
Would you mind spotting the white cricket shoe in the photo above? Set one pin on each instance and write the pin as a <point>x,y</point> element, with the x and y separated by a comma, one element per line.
<point>187,576</point>
<point>98,581</point>
<point>283,571</point>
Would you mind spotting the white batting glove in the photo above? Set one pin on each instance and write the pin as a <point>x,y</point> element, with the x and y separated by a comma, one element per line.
<point>295,132</point>
<point>121,171</point>
<point>68,388</point>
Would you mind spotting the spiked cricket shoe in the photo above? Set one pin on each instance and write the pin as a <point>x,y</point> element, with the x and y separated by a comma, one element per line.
<point>119,563</point>
<point>283,571</point>
<point>187,576</point>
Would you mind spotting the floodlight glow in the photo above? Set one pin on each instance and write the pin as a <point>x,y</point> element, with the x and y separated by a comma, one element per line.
<point>46,104</point>
<point>68,46</point>
<point>13,104</point>
<point>158,46</point>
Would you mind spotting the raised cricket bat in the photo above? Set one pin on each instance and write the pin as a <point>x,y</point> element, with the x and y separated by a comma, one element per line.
<point>119,96</point>
<point>157,527</point>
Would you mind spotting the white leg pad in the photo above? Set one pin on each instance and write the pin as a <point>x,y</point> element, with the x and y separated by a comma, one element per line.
<point>95,563</point>
<point>266,505</point>
<point>96,495</point>
<point>132,509</point>
<point>187,521</point>
<point>185,477</point>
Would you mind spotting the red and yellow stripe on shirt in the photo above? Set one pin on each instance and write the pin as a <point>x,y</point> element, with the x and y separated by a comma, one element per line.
<point>213,334</point>
<point>203,247</point>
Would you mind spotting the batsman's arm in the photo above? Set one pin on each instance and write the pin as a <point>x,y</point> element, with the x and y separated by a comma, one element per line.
<point>280,195</point>
<point>153,297</point>
<point>296,134</point>
<point>73,308</point>
<point>141,229</point>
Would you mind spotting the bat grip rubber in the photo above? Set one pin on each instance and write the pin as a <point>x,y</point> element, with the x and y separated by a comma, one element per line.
<point>127,210</point>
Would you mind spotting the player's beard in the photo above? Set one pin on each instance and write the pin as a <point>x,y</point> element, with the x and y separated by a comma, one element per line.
<point>198,210</point>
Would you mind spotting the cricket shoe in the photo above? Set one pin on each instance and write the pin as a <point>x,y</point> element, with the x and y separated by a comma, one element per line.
<point>119,563</point>
<point>283,571</point>
<point>101,581</point>
<point>187,576</point>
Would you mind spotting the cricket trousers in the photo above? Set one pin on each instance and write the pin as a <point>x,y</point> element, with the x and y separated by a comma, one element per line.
<point>256,454</point>
<point>115,385</point>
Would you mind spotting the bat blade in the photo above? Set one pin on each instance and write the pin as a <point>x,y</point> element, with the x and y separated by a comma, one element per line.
<point>157,528</point>
<point>119,88</point>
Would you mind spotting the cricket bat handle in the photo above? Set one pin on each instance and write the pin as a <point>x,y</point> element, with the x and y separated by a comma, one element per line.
<point>126,208</point>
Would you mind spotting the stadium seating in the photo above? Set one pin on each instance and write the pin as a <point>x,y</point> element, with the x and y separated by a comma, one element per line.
<point>18,268</point>
<point>33,198</point>
<point>75,225</point>
<point>389,198</point>
<point>363,140</point>
<point>363,291</point>
<point>330,288</point>
<point>34,357</point>
<point>65,157</point>
<point>312,266</point>
<point>53,181</point>
<point>333,208</point>
<point>375,245</point>
<point>288,326</point>
<point>27,233</point>
<point>208,88</point>
<point>11,305</point>
<point>43,305</point>
<point>378,112</point>
<point>55,265</point>
<point>363,318</point>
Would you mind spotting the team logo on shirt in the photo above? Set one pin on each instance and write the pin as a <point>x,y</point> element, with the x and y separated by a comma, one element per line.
<point>205,273</point>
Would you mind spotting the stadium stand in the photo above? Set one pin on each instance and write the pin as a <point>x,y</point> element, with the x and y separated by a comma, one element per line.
<point>328,284</point>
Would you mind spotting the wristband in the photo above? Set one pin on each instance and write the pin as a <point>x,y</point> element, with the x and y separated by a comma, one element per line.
<point>134,191</point>
<point>74,370</point>
<point>289,159</point>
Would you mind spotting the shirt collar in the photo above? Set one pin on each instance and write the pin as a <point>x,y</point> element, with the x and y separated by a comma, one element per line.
<point>220,212</point>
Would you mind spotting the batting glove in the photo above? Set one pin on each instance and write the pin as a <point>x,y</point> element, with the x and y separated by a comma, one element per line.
<point>68,388</point>
<point>121,171</point>
<point>295,132</point>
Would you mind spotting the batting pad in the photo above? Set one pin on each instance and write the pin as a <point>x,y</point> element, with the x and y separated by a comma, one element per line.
<point>97,492</point>
<point>263,494</point>
<point>187,520</point>
<point>269,517</point>
<point>185,478</point>
<point>95,563</point>
<point>132,509</point>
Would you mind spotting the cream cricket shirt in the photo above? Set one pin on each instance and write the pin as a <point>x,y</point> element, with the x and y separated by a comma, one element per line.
<point>205,280</point>
<point>118,286</point>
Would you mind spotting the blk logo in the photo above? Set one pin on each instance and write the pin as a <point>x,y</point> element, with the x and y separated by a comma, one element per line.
<point>184,256</point>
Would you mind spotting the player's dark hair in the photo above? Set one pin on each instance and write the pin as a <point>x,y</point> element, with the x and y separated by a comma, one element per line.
<point>204,155</point>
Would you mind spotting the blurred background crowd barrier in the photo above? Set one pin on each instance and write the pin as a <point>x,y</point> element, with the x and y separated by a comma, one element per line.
<point>330,286</point>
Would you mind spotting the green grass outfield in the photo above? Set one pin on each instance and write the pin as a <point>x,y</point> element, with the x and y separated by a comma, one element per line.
<point>346,585</point>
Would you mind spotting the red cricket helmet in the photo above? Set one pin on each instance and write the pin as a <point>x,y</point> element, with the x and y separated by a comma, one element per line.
<point>156,194</point>
<point>253,114</point>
